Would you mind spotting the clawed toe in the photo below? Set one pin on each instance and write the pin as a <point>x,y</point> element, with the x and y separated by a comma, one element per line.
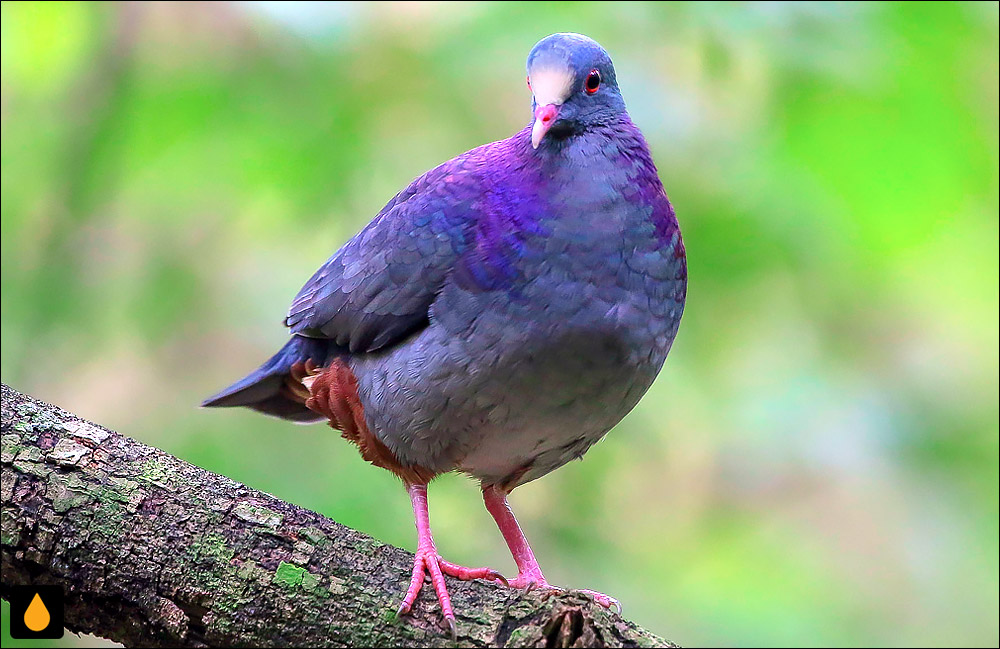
<point>606,601</point>
<point>468,574</point>
<point>529,584</point>
<point>427,562</point>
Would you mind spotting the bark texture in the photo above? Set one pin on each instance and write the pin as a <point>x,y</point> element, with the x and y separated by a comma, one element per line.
<point>152,551</point>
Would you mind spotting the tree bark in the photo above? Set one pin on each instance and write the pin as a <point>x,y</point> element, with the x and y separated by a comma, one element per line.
<point>153,551</point>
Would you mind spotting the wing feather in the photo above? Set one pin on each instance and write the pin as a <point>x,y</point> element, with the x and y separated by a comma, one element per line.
<point>377,289</point>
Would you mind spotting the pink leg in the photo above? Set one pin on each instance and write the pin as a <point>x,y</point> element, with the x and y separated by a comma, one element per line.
<point>529,575</point>
<point>428,561</point>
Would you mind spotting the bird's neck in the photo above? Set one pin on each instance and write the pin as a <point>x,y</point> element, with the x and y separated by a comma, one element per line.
<point>592,194</point>
<point>603,178</point>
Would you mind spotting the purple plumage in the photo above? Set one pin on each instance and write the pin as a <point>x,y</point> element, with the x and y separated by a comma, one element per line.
<point>501,313</point>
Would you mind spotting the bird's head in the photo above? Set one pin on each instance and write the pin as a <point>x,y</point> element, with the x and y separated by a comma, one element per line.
<point>573,86</point>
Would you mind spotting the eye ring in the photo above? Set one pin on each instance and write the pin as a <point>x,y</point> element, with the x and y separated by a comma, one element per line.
<point>593,82</point>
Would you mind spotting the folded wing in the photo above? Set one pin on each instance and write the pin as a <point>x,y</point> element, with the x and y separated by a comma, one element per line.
<point>377,289</point>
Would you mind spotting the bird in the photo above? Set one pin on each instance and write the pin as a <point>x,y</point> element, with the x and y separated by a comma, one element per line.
<point>499,315</point>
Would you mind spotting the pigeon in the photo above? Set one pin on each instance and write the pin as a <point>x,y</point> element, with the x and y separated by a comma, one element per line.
<point>499,315</point>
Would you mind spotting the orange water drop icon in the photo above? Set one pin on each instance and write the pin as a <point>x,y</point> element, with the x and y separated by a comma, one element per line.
<point>37,617</point>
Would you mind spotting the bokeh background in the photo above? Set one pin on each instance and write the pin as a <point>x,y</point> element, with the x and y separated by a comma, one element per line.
<point>817,463</point>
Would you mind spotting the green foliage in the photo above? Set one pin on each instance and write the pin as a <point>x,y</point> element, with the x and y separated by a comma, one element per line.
<point>818,462</point>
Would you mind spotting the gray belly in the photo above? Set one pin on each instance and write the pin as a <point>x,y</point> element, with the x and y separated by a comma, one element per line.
<point>504,402</point>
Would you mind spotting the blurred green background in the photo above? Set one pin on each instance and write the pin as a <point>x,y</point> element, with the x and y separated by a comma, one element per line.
<point>817,463</point>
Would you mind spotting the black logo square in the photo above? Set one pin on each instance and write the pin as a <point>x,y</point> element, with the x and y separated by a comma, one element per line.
<point>36,612</point>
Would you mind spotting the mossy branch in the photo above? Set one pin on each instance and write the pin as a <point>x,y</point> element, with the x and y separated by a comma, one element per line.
<point>152,551</point>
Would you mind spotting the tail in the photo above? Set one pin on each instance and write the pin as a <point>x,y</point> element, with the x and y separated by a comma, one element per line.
<point>265,390</point>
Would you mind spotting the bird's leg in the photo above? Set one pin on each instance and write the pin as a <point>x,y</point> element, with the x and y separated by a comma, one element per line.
<point>529,574</point>
<point>427,561</point>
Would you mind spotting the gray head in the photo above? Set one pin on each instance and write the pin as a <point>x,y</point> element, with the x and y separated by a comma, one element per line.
<point>573,86</point>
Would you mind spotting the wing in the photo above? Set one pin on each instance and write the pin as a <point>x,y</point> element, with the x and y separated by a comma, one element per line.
<point>378,287</point>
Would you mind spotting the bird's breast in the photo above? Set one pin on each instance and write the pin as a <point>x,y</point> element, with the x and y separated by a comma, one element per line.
<point>548,330</point>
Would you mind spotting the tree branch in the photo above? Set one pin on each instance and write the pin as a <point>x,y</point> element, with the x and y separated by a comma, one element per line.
<point>153,551</point>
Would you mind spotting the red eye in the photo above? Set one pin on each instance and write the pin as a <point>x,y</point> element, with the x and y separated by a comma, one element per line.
<point>593,82</point>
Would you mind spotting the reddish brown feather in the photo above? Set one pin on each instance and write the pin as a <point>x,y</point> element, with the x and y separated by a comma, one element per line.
<point>333,393</point>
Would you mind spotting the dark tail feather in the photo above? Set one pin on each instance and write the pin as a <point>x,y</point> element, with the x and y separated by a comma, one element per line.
<point>261,389</point>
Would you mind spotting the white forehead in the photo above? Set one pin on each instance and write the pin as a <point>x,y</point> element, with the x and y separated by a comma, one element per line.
<point>551,84</point>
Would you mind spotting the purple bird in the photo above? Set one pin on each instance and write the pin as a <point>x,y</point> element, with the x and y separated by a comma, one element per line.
<point>499,315</point>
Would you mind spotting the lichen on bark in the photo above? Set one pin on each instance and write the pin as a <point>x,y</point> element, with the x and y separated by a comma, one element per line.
<point>153,551</point>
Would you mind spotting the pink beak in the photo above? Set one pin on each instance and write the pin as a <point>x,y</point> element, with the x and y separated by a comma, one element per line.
<point>545,117</point>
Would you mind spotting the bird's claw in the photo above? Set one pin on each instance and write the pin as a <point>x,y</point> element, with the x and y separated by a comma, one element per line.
<point>529,584</point>
<point>467,574</point>
<point>607,601</point>
<point>428,561</point>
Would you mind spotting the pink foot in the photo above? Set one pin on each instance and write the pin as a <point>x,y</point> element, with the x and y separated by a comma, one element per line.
<point>468,574</point>
<point>529,574</point>
<point>607,601</point>
<point>531,583</point>
<point>428,561</point>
